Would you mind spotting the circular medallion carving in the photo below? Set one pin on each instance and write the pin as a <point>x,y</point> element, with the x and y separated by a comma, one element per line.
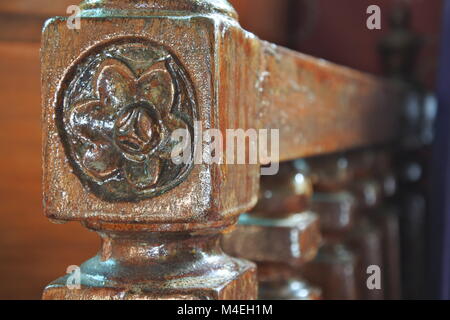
<point>116,113</point>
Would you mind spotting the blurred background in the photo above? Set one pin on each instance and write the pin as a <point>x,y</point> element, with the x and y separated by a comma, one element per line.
<point>33,251</point>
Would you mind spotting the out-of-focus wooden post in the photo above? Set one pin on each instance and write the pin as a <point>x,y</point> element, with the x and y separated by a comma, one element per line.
<point>387,217</point>
<point>281,234</point>
<point>370,241</point>
<point>400,49</point>
<point>366,237</point>
<point>335,269</point>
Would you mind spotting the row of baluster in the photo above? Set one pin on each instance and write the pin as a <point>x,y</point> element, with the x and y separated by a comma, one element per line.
<point>325,227</point>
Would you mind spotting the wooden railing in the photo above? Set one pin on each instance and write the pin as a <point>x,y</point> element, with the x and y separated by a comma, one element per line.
<point>136,71</point>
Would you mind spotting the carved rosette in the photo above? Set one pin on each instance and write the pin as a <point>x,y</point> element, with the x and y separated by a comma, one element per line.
<point>116,117</point>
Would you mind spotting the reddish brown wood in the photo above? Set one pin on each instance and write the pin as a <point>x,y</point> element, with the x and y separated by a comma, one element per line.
<point>333,107</point>
<point>382,218</point>
<point>335,268</point>
<point>387,217</point>
<point>187,212</point>
<point>42,8</point>
<point>32,250</point>
<point>22,20</point>
<point>281,235</point>
<point>118,90</point>
<point>401,49</point>
<point>366,238</point>
<point>266,18</point>
<point>371,232</point>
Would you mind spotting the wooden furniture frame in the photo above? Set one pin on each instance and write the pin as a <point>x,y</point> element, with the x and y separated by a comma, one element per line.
<point>160,224</point>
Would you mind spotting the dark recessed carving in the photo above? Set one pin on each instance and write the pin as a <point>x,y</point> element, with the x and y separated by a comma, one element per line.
<point>116,115</point>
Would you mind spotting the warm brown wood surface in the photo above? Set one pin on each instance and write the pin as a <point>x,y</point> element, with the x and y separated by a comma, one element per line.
<point>22,20</point>
<point>320,107</point>
<point>36,7</point>
<point>33,251</point>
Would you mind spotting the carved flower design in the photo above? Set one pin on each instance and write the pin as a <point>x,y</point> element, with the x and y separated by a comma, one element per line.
<point>126,130</point>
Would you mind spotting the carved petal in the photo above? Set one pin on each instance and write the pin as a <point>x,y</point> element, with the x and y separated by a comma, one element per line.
<point>137,131</point>
<point>173,123</point>
<point>143,175</point>
<point>156,86</point>
<point>92,121</point>
<point>115,83</point>
<point>101,160</point>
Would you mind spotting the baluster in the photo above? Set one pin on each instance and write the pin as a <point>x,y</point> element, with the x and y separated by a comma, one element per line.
<point>335,269</point>
<point>399,50</point>
<point>387,217</point>
<point>366,237</point>
<point>115,93</point>
<point>372,237</point>
<point>281,234</point>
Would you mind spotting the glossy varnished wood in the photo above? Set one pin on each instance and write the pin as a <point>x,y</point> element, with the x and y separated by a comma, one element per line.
<point>281,234</point>
<point>317,107</point>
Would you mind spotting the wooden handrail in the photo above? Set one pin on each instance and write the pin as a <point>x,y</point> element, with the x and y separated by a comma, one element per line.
<point>115,90</point>
<point>318,106</point>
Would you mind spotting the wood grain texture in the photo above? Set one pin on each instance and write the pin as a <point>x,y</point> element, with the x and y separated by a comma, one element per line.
<point>233,81</point>
<point>32,250</point>
<point>318,107</point>
<point>184,220</point>
<point>22,20</point>
<point>58,246</point>
<point>46,8</point>
<point>281,235</point>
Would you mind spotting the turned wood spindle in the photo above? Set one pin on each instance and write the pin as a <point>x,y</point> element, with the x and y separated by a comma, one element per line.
<point>280,234</point>
<point>335,269</point>
<point>373,238</point>
<point>366,237</point>
<point>387,216</point>
<point>399,50</point>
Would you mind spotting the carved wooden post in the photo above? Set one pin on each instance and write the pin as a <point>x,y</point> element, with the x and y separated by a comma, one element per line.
<point>141,80</point>
<point>281,235</point>
<point>114,93</point>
